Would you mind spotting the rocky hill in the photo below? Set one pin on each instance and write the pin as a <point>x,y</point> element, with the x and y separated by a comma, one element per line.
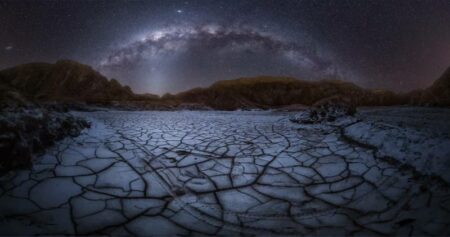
<point>69,81</point>
<point>65,80</point>
<point>438,94</point>
<point>269,92</point>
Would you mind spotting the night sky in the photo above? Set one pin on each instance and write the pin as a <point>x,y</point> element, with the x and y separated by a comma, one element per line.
<point>169,46</point>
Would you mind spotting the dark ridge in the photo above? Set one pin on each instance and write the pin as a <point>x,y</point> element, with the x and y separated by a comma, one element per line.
<point>69,81</point>
<point>63,81</point>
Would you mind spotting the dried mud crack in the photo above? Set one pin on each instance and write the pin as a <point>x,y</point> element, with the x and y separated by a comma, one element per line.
<point>217,173</point>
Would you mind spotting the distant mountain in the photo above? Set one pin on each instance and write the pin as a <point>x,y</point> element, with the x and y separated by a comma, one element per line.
<point>438,94</point>
<point>63,81</point>
<point>269,92</point>
<point>69,81</point>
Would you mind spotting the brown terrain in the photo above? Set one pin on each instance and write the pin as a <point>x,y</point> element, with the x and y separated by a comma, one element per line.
<point>71,82</point>
<point>274,92</point>
<point>64,81</point>
<point>438,94</point>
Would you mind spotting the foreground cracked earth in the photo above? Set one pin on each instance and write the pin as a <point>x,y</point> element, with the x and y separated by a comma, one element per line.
<point>166,173</point>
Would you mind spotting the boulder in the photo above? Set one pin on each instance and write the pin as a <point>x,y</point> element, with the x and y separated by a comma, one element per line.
<point>326,110</point>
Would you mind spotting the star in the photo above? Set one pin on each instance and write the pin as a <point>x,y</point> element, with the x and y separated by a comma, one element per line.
<point>303,39</point>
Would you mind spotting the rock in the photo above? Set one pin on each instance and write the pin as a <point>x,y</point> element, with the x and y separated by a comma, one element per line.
<point>265,92</point>
<point>64,81</point>
<point>192,106</point>
<point>27,131</point>
<point>438,94</point>
<point>326,110</point>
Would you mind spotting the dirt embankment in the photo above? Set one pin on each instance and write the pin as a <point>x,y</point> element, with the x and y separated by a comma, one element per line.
<point>27,131</point>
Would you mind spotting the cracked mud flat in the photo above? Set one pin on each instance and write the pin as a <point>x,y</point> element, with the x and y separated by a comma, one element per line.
<point>218,173</point>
